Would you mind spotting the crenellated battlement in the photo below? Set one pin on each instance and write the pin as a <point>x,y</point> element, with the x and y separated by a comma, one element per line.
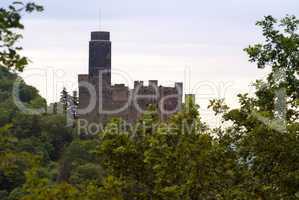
<point>119,100</point>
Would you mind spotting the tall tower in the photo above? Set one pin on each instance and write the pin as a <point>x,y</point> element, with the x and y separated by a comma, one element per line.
<point>100,55</point>
<point>99,101</point>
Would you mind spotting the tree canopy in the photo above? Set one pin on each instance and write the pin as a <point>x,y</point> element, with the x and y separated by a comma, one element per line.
<point>255,155</point>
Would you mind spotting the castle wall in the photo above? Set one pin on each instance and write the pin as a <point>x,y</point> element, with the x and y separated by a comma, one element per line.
<point>102,101</point>
<point>129,104</point>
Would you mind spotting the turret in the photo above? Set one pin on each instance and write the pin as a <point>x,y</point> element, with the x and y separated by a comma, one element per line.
<point>100,55</point>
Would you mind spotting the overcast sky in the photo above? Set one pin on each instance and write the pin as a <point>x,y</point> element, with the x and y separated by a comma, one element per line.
<point>198,42</point>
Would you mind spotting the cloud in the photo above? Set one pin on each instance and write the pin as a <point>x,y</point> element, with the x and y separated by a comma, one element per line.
<point>160,38</point>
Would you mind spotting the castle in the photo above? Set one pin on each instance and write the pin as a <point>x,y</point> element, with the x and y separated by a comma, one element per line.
<point>100,101</point>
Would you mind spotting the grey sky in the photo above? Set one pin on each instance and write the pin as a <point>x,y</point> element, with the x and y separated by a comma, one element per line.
<point>217,9</point>
<point>155,39</point>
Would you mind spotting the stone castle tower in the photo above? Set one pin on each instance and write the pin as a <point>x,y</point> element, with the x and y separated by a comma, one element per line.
<point>100,101</point>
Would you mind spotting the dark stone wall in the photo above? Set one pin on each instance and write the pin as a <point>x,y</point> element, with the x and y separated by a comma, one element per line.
<point>129,104</point>
<point>119,99</point>
<point>100,55</point>
<point>100,35</point>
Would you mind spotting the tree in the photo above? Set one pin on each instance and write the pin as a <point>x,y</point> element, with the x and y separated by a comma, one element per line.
<point>180,158</point>
<point>64,99</point>
<point>265,127</point>
<point>280,52</point>
<point>74,104</point>
<point>10,26</point>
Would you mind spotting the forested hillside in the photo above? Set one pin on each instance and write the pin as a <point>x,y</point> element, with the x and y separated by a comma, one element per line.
<point>254,155</point>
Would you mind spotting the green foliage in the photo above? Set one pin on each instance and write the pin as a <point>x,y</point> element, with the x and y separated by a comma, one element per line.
<point>255,156</point>
<point>10,26</point>
<point>280,52</point>
<point>64,99</point>
<point>265,127</point>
